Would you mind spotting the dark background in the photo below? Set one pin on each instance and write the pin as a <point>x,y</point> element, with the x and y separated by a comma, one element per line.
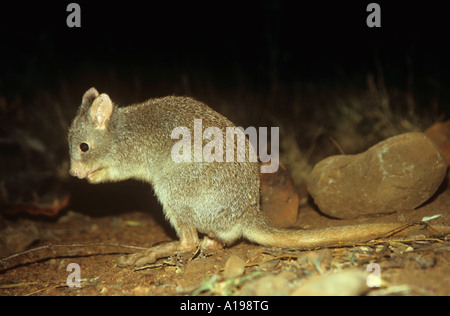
<point>225,42</point>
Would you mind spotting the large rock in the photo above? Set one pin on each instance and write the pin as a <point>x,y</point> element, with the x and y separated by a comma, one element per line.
<point>401,172</point>
<point>439,133</point>
<point>279,199</point>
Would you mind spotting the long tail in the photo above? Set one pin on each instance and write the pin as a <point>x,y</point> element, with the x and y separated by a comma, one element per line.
<point>327,237</point>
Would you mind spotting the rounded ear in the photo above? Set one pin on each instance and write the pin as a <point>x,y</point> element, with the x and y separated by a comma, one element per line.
<point>88,97</point>
<point>101,110</point>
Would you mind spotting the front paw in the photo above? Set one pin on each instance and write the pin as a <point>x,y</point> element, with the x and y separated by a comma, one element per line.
<point>98,176</point>
<point>137,259</point>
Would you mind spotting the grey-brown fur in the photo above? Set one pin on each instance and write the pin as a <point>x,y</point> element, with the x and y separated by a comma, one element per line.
<point>218,199</point>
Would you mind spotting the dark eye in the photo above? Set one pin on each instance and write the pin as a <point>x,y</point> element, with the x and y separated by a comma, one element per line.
<point>84,147</point>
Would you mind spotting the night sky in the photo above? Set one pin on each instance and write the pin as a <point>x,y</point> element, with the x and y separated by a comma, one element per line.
<point>263,41</point>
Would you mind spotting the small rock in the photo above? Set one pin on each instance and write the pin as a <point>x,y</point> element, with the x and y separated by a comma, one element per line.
<point>141,291</point>
<point>279,199</point>
<point>234,267</point>
<point>269,285</point>
<point>401,172</point>
<point>439,133</point>
<point>344,283</point>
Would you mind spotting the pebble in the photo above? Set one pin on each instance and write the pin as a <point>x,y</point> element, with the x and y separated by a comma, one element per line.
<point>344,283</point>
<point>268,285</point>
<point>401,172</point>
<point>234,267</point>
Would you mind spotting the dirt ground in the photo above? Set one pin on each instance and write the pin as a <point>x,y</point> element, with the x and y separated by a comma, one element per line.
<point>414,262</point>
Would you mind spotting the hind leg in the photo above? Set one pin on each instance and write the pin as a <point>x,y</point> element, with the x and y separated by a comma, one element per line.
<point>188,242</point>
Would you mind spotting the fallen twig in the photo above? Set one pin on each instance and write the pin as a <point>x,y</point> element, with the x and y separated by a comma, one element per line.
<point>3,261</point>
